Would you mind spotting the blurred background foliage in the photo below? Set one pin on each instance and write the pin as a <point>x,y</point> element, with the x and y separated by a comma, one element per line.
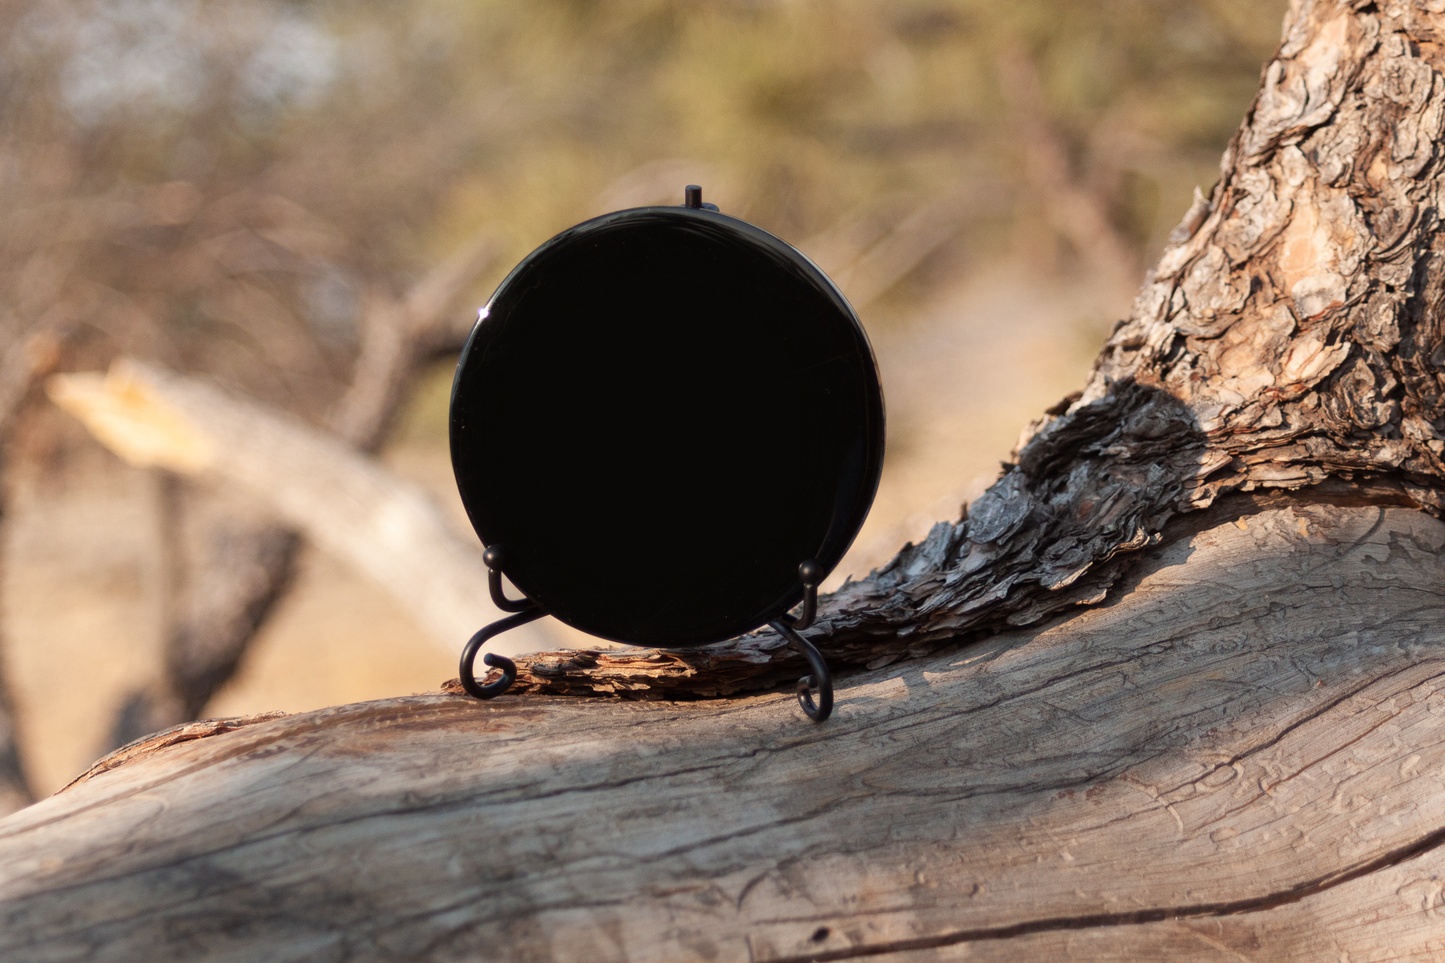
<point>357,143</point>
<point>230,187</point>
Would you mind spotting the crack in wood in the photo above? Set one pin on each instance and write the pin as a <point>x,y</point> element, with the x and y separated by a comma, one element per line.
<point>1257,904</point>
<point>1314,714</point>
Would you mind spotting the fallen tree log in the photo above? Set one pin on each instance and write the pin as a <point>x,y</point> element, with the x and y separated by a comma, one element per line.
<point>1244,756</point>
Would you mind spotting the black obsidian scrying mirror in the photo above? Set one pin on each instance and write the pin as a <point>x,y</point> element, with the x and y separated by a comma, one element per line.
<point>667,428</point>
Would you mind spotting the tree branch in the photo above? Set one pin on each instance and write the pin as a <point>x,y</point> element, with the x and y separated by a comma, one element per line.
<point>396,335</point>
<point>234,562</point>
<point>347,503</point>
<point>1078,213</point>
<point>24,364</point>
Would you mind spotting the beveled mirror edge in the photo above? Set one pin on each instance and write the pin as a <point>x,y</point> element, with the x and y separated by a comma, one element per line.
<point>875,443</point>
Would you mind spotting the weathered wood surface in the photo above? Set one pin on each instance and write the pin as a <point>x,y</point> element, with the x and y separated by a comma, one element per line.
<point>1241,757</point>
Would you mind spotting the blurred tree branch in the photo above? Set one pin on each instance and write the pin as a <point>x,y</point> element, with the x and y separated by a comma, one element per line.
<point>28,359</point>
<point>399,334</point>
<point>1079,212</point>
<point>233,561</point>
<point>867,254</point>
<point>336,496</point>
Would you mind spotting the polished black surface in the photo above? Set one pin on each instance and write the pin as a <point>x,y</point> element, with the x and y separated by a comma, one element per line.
<point>660,415</point>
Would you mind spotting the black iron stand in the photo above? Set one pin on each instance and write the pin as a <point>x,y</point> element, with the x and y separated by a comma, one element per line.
<point>526,611</point>
<point>787,626</point>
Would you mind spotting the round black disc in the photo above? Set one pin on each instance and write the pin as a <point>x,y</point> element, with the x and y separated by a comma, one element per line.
<point>660,414</point>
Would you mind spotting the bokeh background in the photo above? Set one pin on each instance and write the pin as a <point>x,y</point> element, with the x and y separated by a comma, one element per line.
<point>260,193</point>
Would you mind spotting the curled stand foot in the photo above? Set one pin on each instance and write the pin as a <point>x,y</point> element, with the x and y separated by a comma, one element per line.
<point>509,668</point>
<point>820,680</point>
<point>527,611</point>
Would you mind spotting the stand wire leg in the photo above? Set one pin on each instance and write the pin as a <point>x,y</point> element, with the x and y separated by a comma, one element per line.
<point>494,558</point>
<point>508,667</point>
<point>821,679</point>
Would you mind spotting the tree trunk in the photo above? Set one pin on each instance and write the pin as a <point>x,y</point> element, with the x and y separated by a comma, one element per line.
<point>1235,748</point>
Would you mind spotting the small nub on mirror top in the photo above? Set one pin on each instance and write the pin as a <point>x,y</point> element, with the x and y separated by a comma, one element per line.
<point>692,197</point>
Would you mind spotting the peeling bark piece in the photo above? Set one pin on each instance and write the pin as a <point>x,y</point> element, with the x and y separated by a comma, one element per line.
<point>1213,293</point>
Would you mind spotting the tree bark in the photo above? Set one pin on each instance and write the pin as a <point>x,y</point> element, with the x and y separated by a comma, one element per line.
<point>1233,746</point>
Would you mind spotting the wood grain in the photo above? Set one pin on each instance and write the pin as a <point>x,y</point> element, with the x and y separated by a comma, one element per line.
<point>1254,733</point>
